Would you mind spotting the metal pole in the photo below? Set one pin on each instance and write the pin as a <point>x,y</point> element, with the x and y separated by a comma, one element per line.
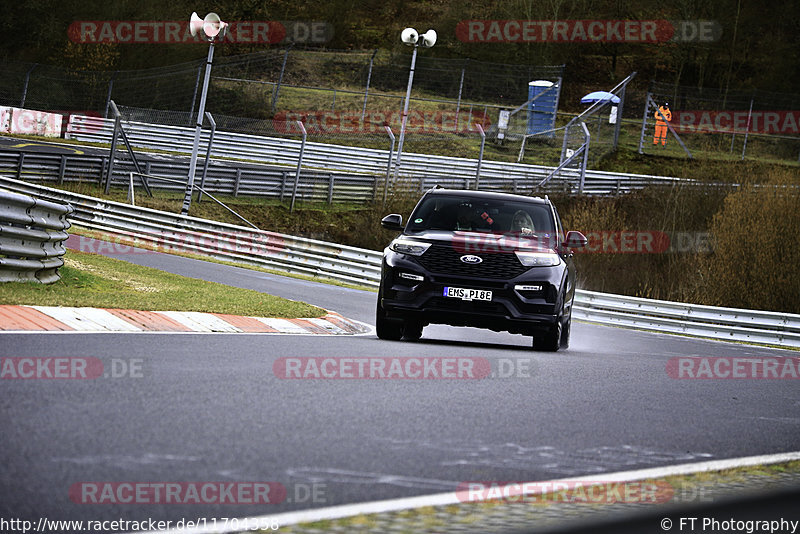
<point>405,113</point>
<point>460,89</point>
<point>747,130</point>
<point>366,90</point>
<point>194,96</point>
<point>25,86</point>
<point>585,163</point>
<point>299,165</point>
<point>280,78</point>
<point>113,152</point>
<point>128,146</point>
<point>388,165</point>
<point>644,121</point>
<point>110,87</point>
<point>208,155</point>
<point>187,198</point>
<point>480,157</point>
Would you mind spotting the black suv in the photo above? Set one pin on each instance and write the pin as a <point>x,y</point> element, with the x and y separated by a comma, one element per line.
<point>487,260</point>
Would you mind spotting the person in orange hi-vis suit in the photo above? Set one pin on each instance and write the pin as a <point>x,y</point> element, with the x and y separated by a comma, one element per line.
<point>661,126</point>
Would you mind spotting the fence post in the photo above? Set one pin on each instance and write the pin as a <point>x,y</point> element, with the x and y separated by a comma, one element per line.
<point>280,80</point>
<point>113,152</point>
<point>480,157</point>
<point>588,138</point>
<point>388,165</point>
<point>644,120</point>
<point>25,86</point>
<point>366,89</point>
<point>299,165</point>
<point>460,89</point>
<point>110,87</point>
<point>747,130</point>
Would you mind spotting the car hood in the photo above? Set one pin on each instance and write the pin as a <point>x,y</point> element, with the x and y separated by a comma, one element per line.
<point>487,242</point>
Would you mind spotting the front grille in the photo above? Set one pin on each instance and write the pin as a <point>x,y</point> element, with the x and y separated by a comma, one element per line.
<point>444,259</point>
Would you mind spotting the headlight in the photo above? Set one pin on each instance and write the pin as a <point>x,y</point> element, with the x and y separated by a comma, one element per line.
<point>538,259</point>
<point>409,246</point>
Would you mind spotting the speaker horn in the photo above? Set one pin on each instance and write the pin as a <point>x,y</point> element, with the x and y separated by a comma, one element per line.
<point>428,39</point>
<point>195,24</point>
<point>409,36</point>
<point>212,25</point>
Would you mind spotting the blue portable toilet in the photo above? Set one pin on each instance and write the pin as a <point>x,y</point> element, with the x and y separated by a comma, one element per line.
<point>542,111</point>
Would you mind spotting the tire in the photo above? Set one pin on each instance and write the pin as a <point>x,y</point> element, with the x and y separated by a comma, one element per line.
<point>551,341</point>
<point>565,332</point>
<point>412,331</point>
<point>391,329</point>
<point>558,335</point>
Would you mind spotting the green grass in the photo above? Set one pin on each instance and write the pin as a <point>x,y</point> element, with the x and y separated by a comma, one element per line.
<point>97,281</point>
<point>122,241</point>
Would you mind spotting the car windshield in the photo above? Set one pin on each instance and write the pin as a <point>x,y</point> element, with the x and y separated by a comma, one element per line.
<point>457,213</point>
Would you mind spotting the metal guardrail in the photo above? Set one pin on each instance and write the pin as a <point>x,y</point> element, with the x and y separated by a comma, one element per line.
<point>173,232</point>
<point>425,168</point>
<point>168,231</point>
<point>252,180</point>
<point>32,232</point>
<point>730,324</point>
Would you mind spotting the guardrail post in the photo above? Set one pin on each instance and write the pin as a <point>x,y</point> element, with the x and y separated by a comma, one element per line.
<point>237,182</point>
<point>102,170</point>
<point>299,164</point>
<point>61,169</point>
<point>330,188</point>
<point>20,164</point>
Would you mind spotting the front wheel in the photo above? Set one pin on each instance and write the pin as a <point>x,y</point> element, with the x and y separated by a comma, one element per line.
<point>551,340</point>
<point>387,328</point>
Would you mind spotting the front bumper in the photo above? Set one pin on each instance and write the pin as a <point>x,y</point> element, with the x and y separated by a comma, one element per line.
<point>510,309</point>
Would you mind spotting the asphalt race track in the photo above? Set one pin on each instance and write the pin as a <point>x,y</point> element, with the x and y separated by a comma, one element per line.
<point>208,407</point>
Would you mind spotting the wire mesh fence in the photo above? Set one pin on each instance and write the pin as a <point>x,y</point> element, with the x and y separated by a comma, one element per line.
<point>729,124</point>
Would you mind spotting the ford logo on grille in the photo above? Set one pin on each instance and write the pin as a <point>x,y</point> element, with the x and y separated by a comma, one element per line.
<point>469,258</point>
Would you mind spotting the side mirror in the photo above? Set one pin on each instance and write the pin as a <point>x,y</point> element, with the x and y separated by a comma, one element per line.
<point>393,221</point>
<point>575,240</point>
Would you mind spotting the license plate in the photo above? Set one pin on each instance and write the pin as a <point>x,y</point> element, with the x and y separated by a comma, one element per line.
<point>467,294</point>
